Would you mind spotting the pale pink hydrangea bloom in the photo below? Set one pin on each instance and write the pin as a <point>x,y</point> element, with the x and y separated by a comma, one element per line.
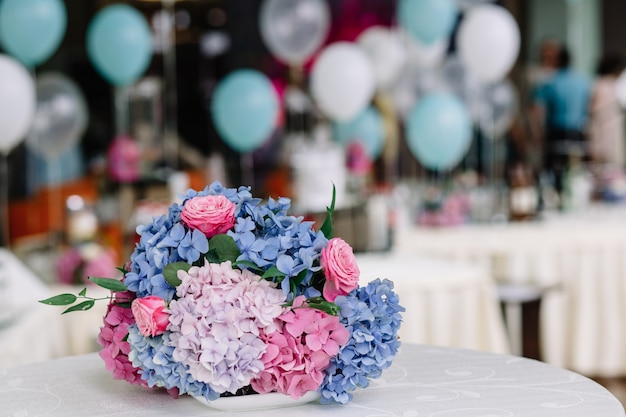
<point>115,349</point>
<point>298,354</point>
<point>218,321</point>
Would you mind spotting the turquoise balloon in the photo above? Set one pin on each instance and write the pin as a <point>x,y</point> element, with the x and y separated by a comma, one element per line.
<point>367,128</point>
<point>31,30</point>
<point>244,108</point>
<point>427,20</point>
<point>119,44</point>
<point>439,131</point>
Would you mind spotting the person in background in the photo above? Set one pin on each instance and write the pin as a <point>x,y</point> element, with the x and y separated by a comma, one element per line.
<point>562,105</point>
<point>606,117</point>
<point>529,133</point>
<point>548,64</point>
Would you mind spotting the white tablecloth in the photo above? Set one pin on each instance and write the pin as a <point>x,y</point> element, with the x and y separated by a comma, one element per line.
<point>447,303</point>
<point>34,332</point>
<point>424,381</point>
<point>580,258</point>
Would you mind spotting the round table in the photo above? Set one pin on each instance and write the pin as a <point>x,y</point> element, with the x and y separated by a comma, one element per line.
<point>448,303</point>
<point>424,381</point>
<point>34,332</point>
<point>576,260</point>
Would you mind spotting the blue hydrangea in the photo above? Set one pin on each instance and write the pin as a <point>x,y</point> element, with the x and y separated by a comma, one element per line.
<point>372,316</point>
<point>153,357</point>
<point>165,241</point>
<point>264,234</point>
<point>267,236</point>
<point>150,257</point>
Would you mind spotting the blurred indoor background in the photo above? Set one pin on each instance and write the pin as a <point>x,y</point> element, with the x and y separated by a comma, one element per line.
<point>131,106</point>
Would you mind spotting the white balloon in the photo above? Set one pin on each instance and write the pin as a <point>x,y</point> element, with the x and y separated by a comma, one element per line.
<point>454,77</point>
<point>17,103</point>
<point>342,80</point>
<point>387,52</point>
<point>488,42</point>
<point>426,56</point>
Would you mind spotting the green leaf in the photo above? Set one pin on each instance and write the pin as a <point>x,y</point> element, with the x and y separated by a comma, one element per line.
<point>297,280</point>
<point>246,264</point>
<point>273,272</point>
<point>327,226</point>
<point>59,300</point>
<point>122,270</point>
<point>125,304</point>
<point>326,306</point>
<point>170,272</point>
<point>224,247</point>
<point>212,257</point>
<point>109,283</point>
<point>83,292</point>
<point>125,338</point>
<point>85,305</point>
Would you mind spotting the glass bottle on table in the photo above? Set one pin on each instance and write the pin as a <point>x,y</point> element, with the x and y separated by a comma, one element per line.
<point>523,196</point>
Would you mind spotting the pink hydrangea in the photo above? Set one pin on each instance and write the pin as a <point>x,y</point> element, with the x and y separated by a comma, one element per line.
<point>218,321</point>
<point>211,214</point>
<point>115,349</point>
<point>340,267</point>
<point>299,352</point>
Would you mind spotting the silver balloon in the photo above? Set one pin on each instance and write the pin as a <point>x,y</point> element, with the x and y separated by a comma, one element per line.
<point>455,78</point>
<point>501,103</point>
<point>60,117</point>
<point>294,29</point>
<point>468,4</point>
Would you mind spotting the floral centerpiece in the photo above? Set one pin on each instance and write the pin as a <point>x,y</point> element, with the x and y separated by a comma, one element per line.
<point>229,295</point>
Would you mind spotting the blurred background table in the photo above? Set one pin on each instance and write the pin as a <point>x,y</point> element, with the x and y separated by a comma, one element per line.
<point>33,332</point>
<point>578,260</point>
<point>447,303</point>
<point>423,380</point>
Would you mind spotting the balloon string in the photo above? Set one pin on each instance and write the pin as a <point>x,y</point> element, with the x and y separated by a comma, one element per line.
<point>4,186</point>
<point>170,122</point>
<point>121,102</point>
<point>247,167</point>
<point>495,172</point>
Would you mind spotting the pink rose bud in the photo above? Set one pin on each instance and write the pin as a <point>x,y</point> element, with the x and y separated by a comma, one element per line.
<point>211,214</point>
<point>150,315</point>
<point>339,265</point>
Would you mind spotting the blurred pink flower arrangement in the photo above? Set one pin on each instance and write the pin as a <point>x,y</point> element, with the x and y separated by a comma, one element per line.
<point>445,210</point>
<point>76,264</point>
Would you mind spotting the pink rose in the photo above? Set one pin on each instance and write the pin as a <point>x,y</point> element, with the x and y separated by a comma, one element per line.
<point>211,214</point>
<point>150,315</point>
<point>339,265</point>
